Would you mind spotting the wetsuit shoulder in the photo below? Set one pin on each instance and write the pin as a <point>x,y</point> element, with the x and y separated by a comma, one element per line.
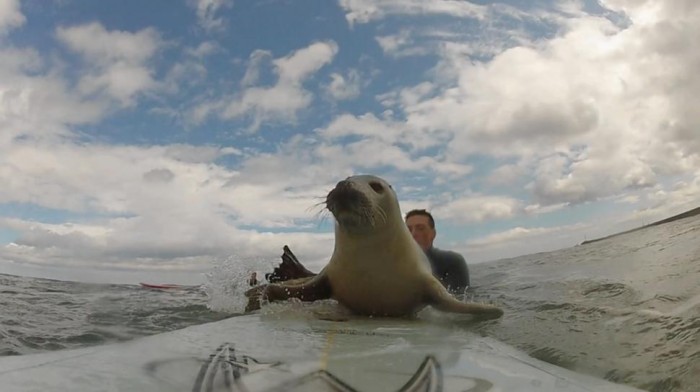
<point>450,268</point>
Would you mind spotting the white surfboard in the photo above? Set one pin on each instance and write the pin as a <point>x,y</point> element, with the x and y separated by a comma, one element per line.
<point>276,352</point>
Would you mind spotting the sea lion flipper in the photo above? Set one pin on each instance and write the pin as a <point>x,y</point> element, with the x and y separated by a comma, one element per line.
<point>440,299</point>
<point>306,289</point>
<point>289,268</point>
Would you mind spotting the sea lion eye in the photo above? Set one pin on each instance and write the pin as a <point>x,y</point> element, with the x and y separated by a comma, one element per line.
<point>377,187</point>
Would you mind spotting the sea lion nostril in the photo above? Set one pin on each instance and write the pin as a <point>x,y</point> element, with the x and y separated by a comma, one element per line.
<point>376,186</point>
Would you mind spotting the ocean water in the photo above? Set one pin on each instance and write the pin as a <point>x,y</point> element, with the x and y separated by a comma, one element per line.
<point>626,309</point>
<point>38,315</point>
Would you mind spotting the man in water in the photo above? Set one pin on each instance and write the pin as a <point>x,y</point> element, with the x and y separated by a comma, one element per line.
<point>449,267</point>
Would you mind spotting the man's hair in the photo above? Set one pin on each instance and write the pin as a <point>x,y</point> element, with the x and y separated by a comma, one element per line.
<point>422,212</point>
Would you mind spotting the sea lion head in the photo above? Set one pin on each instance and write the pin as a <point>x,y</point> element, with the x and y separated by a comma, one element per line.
<point>362,203</point>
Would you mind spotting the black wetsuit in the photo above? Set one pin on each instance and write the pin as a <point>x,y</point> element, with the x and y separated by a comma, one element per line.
<point>450,268</point>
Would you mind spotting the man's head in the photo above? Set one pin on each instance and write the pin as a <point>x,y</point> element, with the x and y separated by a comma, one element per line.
<point>422,227</point>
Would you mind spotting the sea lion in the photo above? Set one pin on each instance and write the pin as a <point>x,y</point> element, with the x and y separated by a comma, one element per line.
<point>376,269</point>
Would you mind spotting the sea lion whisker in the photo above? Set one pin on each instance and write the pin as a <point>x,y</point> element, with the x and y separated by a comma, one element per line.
<point>369,217</point>
<point>382,214</point>
<point>321,204</point>
<point>321,216</point>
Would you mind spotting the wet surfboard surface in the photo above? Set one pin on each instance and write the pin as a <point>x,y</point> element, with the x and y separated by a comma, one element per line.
<point>281,353</point>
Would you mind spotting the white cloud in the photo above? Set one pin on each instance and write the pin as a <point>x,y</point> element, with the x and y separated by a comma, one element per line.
<point>367,125</point>
<point>559,179</point>
<point>534,209</point>
<point>166,207</point>
<point>280,102</point>
<point>119,59</point>
<point>45,92</point>
<point>511,235</point>
<point>207,13</point>
<point>376,143</point>
<point>404,44</point>
<point>11,16</point>
<point>296,67</point>
<point>392,43</point>
<point>507,174</point>
<point>187,74</point>
<point>408,96</point>
<point>256,61</point>
<point>613,101</point>
<point>364,11</point>
<point>525,240</point>
<point>345,87</point>
<point>204,49</point>
<point>130,244</point>
<point>478,208</point>
<point>661,202</point>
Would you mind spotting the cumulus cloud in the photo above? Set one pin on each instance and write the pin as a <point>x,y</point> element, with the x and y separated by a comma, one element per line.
<point>28,85</point>
<point>584,90</point>
<point>276,103</point>
<point>403,44</point>
<point>522,240</point>
<point>165,206</point>
<point>511,235</point>
<point>119,60</point>
<point>610,102</point>
<point>129,244</point>
<point>364,11</point>
<point>478,208</point>
<point>256,61</point>
<point>207,11</point>
<point>11,16</point>
<point>343,87</point>
<point>506,174</point>
<point>204,49</point>
<point>382,143</point>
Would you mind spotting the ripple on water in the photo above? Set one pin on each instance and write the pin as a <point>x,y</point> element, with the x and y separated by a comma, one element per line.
<point>607,290</point>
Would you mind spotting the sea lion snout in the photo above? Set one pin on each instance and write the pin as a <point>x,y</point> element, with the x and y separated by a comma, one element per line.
<point>345,198</point>
<point>344,184</point>
<point>349,205</point>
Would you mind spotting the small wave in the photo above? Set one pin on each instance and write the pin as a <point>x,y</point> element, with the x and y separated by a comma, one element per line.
<point>88,338</point>
<point>607,290</point>
<point>553,356</point>
<point>44,315</point>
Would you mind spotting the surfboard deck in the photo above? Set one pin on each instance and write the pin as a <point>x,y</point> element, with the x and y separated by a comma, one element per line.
<point>281,353</point>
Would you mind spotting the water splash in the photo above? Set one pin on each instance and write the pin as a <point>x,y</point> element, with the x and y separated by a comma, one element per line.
<point>225,285</point>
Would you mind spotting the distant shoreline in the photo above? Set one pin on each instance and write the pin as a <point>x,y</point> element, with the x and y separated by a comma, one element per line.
<point>687,214</point>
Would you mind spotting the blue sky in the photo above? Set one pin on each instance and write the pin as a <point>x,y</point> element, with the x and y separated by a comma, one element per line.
<point>154,140</point>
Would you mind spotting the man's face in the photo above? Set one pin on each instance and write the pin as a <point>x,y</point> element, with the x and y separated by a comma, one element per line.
<point>420,229</point>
